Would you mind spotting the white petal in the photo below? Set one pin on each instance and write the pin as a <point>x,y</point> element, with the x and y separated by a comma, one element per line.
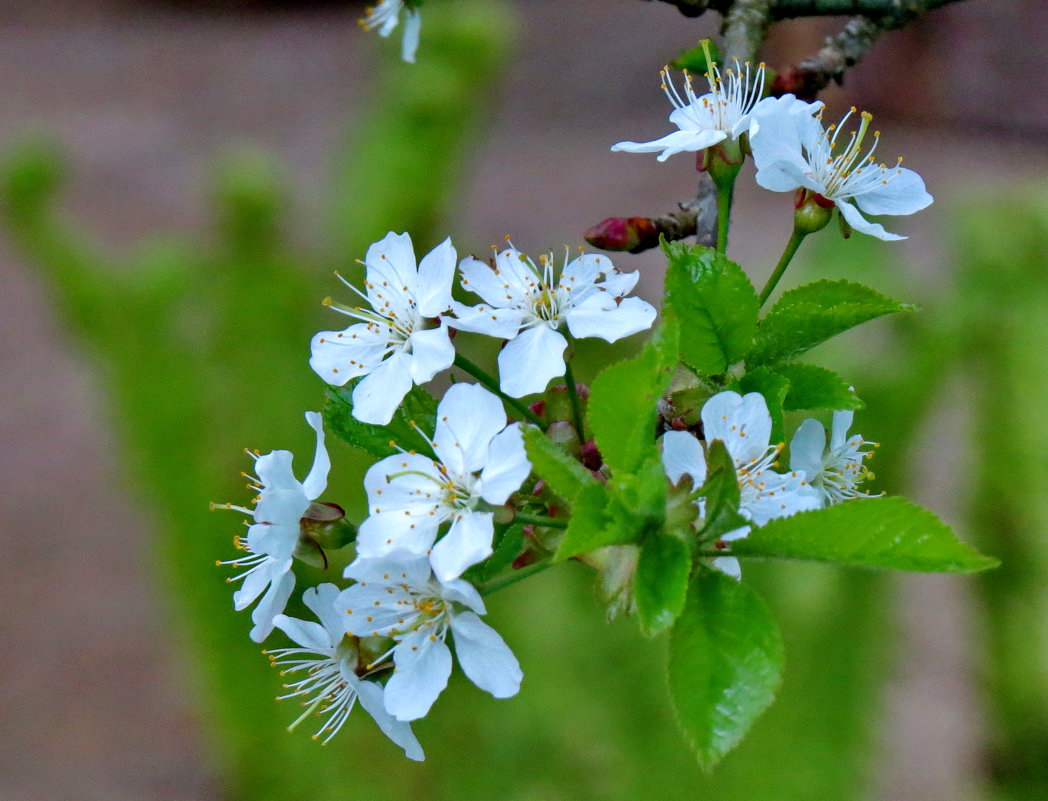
<point>676,142</point>
<point>384,533</point>
<point>391,268</point>
<point>903,193</point>
<point>467,543</point>
<point>271,605</point>
<point>372,698</point>
<point>422,669</point>
<point>435,274</point>
<point>531,360</point>
<point>377,396</point>
<point>842,421</point>
<point>412,26</point>
<point>257,580</point>
<point>484,656</point>
<point>462,592</point>
<point>491,284</point>
<point>682,454</point>
<point>507,466</point>
<point>741,422</point>
<point>781,495</point>
<point>728,565</point>
<point>306,633</point>
<point>321,601</point>
<point>807,447</point>
<point>375,610</point>
<point>864,226</point>
<point>431,352</point>
<point>274,470</point>
<point>584,271</point>
<point>337,356</point>
<point>398,567</point>
<point>468,417</point>
<point>486,319</point>
<point>316,482</point>
<point>620,320</point>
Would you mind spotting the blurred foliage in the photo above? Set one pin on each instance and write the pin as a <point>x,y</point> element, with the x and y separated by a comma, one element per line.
<point>203,344</point>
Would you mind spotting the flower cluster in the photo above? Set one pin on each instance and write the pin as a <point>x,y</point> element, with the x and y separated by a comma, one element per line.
<point>790,147</point>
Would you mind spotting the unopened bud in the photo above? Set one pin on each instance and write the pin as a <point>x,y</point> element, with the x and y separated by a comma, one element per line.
<point>325,525</point>
<point>632,234</point>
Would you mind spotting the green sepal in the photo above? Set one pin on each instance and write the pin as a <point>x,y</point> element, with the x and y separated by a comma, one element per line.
<point>564,474</point>
<point>813,313</point>
<point>661,582</point>
<point>715,303</point>
<point>889,533</point>
<point>725,664</point>
<point>418,406</point>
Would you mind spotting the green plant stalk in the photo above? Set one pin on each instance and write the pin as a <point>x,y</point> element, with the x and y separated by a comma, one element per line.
<point>576,403</point>
<point>540,520</point>
<point>492,383</point>
<point>784,261</point>
<point>725,195</point>
<point>509,579</point>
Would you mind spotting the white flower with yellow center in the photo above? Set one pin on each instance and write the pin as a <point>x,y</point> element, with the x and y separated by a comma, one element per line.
<point>386,15</point>
<point>398,596</point>
<point>703,121</point>
<point>743,424</point>
<point>400,339</point>
<point>793,151</point>
<point>324,673</point>
<point>480,462</point>
<point>835,471</point>
<point>271,540</point>
<point>529,307</point>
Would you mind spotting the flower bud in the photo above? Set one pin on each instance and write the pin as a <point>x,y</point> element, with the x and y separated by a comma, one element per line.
<point>323,528</point>
<point>812,213</point>
<point>632,234</point>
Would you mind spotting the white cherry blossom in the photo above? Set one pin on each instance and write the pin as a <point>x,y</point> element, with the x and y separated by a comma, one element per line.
<point>323,671</point>
<point>398,596</point>
<point>743,424</point>
<point>835,471</point>
<point>270,544</point>
<point>480,462</point>
<point>703,121</point>
<point>792,150</point>
<point>399,340</point>
<point>529,307</point>
<point>386,15</point>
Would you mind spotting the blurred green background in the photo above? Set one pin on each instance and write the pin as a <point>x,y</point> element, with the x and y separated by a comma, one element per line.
<point>164,302</point>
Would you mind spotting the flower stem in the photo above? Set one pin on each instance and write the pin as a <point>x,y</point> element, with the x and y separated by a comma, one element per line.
<point>488,381</point>
<point>576,403</point>
<point>540,520</point>
<point>725,193</point>
<point>787,256</point>
<point>501,582</point>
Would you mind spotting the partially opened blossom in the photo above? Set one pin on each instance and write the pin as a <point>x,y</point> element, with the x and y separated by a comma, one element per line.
<point>743,424</point>
<point>271,540</point>
<point>834,471</point>
<point>399,339</point>
<point>385,16</point>
<point>793,151</point>
<point>723,113</point>
<point>324,672</point>
<point>480,462</point>
<point>529,307</point>
<point>398,596</point>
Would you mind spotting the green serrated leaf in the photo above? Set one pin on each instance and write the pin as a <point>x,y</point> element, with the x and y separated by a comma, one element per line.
<point>381,441</point>
<point>661,582</point>
<point>774,387</point>
<point>870,532</point>
<point>725,663</point>
<point>721,491</point>
<point>715,303</point>
<point>588,524</point>
<point>623,402</point>
<point>813,313</point>
<point>563,472</point>
<point>814,387</point>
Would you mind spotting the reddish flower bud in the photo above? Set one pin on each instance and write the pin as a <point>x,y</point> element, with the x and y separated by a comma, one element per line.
<point>632,234</point>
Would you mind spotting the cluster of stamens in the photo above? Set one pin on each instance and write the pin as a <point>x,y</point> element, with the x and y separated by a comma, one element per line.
<point>848,171</point>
